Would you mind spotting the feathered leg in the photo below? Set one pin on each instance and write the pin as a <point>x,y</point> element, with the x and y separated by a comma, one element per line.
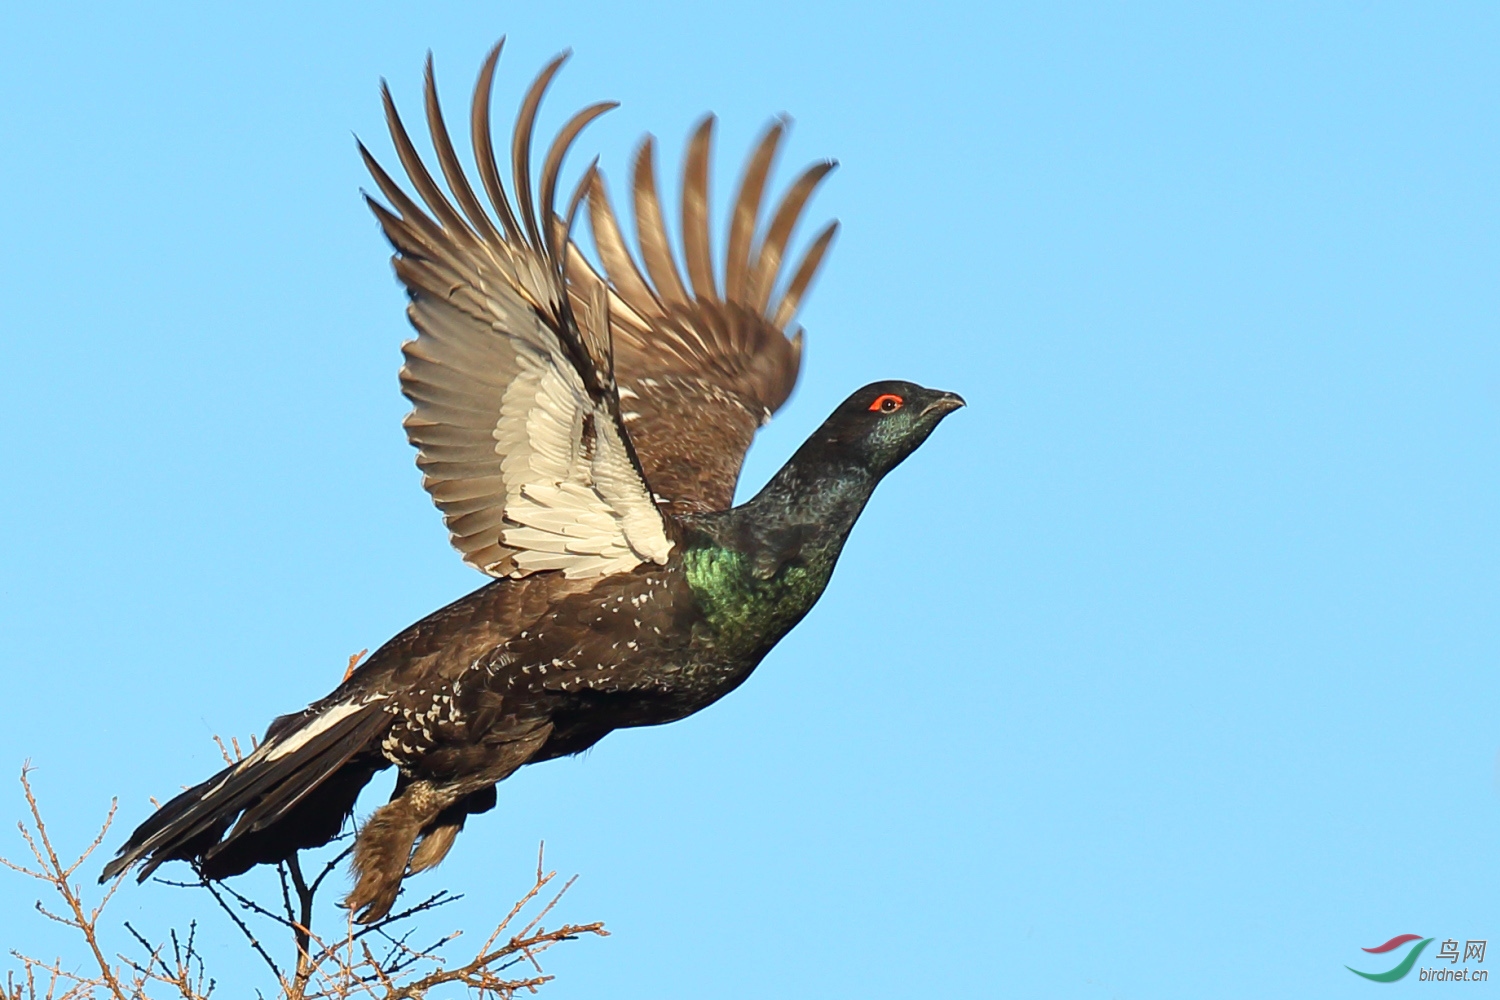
<point>383,853</point>
<point>384,844</point>
<point>437,839</point>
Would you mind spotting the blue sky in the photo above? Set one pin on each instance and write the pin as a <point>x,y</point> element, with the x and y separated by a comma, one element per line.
<point>1166,669</point>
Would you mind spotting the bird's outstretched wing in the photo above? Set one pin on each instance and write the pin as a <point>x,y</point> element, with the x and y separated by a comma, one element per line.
<point>702,364</point>
<point>516,419</point>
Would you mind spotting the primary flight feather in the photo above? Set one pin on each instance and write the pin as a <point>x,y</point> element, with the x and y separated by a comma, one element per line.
<point>582,432</point>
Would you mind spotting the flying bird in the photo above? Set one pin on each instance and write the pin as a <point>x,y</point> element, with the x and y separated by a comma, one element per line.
<point>581,431</point>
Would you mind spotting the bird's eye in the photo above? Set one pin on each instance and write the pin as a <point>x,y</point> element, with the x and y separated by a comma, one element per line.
<point>887,402</point>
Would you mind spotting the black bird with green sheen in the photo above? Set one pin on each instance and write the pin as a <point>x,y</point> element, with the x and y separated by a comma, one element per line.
<point>582,431</point>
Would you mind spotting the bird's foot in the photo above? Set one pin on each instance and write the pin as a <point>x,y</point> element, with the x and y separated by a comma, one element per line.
<point>380,855</point>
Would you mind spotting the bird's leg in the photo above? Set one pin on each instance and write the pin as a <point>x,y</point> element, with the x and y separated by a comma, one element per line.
<point>383,849</point>
<point>384,844</point>
<point>437,838</point>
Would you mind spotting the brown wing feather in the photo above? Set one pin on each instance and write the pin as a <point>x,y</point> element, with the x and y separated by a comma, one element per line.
<point>803,276</point>
<point>696,241</point>
<point>768,266</point>
<point>651,230</point>
<point>697,374</point>
<point>515,415</point>
<point>520,144</point>
<point>453,172</point>
<point>746,214</point>
<point>625,278</point>
<point>484,147</point>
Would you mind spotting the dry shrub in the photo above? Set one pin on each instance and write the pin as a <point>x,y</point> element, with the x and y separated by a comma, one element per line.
<point>377,961</point>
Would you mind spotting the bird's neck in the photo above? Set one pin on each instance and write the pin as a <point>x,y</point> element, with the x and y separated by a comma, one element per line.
<point>759,567</point>
<point>810,505</point>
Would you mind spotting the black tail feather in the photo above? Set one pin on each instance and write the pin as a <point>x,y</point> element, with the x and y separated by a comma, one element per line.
<point>267,793</point>
<point>312,822</point>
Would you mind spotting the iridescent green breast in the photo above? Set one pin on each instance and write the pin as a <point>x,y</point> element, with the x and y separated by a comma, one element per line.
<point>745,613</point>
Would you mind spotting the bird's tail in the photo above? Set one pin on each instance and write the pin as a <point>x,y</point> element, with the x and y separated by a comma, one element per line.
<point>267,797</point>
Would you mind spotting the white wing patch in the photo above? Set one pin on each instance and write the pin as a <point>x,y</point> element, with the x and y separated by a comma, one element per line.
<point>530,472</point>
<point>571,490</point>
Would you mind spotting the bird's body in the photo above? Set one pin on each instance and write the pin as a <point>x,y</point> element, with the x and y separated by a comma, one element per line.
<point>642,648</point>
<point>635,649</point>
<point>582,436</point>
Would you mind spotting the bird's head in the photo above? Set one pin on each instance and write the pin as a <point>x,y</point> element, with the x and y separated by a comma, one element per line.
<point>881,424</point>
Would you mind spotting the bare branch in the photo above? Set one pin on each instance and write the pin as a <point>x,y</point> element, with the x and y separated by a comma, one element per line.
<point>340,968</point>
<point>54,872</point>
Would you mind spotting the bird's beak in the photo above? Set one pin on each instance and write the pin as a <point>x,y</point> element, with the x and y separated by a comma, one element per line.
<point>944,404</point>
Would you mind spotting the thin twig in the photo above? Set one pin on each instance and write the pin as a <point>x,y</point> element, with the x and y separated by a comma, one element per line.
<point>343,968</point>
<point>213,890</point>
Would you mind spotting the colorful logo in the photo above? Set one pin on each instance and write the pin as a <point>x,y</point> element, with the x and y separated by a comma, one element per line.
<point>1403,966</point>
